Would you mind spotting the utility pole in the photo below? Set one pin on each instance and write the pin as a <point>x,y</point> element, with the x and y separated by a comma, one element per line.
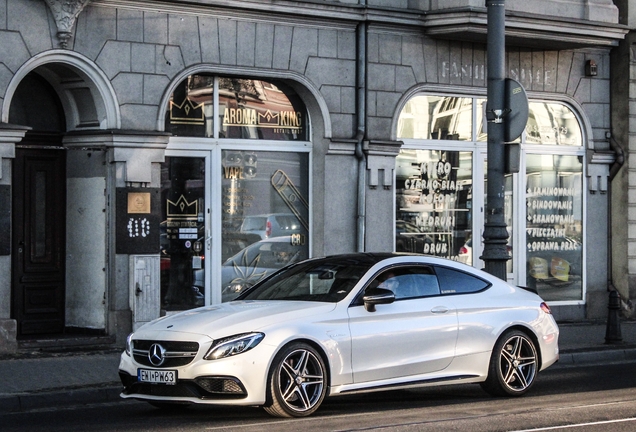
<point>495,252</point>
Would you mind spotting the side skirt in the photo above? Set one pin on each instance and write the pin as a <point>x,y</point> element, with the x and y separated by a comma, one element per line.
<point>370,387</point>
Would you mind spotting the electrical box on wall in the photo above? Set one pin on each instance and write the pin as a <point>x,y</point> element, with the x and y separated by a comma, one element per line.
<point>145,291</point>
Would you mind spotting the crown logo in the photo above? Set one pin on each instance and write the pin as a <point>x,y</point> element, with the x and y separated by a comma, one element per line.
<point>268,118</point>
<point>182,209</point>
<point>187,112</point>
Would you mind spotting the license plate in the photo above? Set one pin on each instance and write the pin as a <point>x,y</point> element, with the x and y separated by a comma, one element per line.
<point>157,376</point>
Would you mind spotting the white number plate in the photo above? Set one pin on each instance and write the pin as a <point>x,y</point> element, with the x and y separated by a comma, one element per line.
<point>157,376</point>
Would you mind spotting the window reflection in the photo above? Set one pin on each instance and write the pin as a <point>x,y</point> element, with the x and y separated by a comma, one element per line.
<point>554,226</point>
<point>436,117</point>
<point>552,123</point>
<point>434,203</point>
<point>253,109</point>
<point>248,109</point>
<point>265,215</point>
<point>190,110</point>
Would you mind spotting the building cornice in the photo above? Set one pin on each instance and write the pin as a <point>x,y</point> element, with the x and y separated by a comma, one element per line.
<point>526,30</point>
<point>462,24</point>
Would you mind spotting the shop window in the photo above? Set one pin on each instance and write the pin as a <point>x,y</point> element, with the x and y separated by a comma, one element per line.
<point>252,195</point>
<point>437,118</point>
<point>247,109</point>
<point>265,215</point>
<point>554,228</point>
<point>552,123</point>
<point>434,209</point>
<point>434,203</point>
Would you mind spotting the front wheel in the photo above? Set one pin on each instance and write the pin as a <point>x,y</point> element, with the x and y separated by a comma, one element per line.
<point>513,365</point>
<point>297,382</point>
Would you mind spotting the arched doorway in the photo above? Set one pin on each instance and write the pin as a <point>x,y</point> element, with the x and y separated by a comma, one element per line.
<point>39,210</point>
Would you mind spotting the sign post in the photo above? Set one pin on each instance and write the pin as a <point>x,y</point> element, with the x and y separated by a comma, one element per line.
<point>495,252</point>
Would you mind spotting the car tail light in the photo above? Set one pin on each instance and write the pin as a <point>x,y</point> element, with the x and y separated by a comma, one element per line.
<point>463,250</point>
<point>268,228</point>
<point>545,308</point>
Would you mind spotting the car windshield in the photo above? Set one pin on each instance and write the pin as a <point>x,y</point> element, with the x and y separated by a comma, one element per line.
<point>322,280</point>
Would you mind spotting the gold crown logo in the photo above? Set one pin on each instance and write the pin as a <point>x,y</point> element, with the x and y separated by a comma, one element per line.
<point>187,112</point>
<point>182,209</point>
<point>268,118</point>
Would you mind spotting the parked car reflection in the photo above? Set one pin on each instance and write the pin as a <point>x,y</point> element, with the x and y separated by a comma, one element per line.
<point>257,261</point>
<point>271,225</point>
<point>410,238</point>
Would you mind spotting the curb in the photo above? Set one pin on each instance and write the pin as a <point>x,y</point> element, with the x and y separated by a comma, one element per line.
<point>23,402</point>
<point>575,358</point>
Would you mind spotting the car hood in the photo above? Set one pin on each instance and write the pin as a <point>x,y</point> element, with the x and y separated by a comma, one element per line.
<point>233,317</point>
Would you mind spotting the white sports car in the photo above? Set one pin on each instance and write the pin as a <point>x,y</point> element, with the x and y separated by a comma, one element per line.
<point>343,324</point>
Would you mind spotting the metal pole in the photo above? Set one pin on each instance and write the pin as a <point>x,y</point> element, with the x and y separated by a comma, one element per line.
<point>495,234</point>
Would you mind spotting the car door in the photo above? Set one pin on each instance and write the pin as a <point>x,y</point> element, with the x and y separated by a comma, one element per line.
<point>414,335</point>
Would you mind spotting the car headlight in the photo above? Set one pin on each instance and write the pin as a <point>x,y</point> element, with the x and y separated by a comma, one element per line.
<point>129,344</point>
<point>233,345</point>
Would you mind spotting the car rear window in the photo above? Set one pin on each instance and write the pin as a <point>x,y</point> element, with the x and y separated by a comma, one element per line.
<point>288,222</point>
<point>457,282</point>
<point>254,224</point>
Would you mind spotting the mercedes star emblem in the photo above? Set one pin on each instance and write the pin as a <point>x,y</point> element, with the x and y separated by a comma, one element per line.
<point>156,354</point>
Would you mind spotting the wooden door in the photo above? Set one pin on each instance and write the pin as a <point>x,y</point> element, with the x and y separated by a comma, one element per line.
<point>38,239</point>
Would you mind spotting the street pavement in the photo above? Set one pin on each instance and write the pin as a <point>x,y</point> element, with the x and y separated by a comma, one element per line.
<point>38,379</point>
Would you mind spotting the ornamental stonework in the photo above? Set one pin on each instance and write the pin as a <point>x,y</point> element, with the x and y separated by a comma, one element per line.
<point>65,13</point>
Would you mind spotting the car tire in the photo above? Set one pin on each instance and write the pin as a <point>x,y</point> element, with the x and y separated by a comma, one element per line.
<point>297,382</point>
<point>513,365</point>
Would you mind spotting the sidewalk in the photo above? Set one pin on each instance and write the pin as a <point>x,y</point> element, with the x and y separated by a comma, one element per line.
<point>36,380</point>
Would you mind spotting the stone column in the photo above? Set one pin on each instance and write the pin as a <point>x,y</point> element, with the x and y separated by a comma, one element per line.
<point>9,136</point>
<point>131,161</point>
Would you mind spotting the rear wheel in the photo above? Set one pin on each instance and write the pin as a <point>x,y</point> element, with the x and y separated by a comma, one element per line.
<point>513,365</point>
<point>297,382</point>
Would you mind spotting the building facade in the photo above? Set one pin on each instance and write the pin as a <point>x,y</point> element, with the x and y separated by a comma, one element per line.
<point>158,156</point>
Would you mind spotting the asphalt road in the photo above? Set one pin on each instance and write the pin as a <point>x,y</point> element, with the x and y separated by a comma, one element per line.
<point>581,399</point>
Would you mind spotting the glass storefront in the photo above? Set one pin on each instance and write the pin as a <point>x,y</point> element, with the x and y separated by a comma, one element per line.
<point>554,228</point>
<point>434,203</point>
<point>440,191</point>
<point>265,215</point>
<point>235,188</point>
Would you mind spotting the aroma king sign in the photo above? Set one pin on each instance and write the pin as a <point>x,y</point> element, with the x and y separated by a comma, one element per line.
<point>268,119</point>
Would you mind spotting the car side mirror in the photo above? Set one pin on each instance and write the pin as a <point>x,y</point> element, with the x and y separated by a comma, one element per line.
<point>376,296</point>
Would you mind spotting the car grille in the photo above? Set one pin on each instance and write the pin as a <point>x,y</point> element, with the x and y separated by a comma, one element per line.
<point>176,353</point>
<point>200,388</point>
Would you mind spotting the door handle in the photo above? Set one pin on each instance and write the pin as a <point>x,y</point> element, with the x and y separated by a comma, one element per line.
<point>439,310</point>
<point>137,289</point>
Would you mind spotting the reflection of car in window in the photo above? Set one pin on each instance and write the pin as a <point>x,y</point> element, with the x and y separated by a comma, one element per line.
<point>410,238</point>
<point>257,261</point>
<point>271,225</point>
<point>466,252</point>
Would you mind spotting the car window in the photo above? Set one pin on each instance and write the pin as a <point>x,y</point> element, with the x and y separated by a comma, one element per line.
<point>408,282</point>
<point>323,280</point>
<point>254,224</point>
<point>288,222</point>
<point>457,282</point>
